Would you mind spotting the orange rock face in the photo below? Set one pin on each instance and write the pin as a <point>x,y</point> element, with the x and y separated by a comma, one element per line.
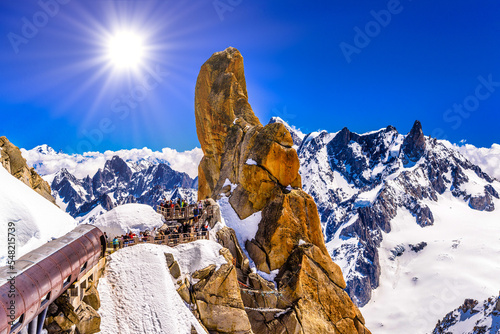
<point>261,163</point>
<point>13,161</point>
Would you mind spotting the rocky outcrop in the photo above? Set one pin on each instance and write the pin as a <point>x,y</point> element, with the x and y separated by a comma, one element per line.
<point>227,238</point>
<point>63,317</point>
<point>257,168</point>
<point>13,161</point>
<point>215,298</point>
<point>218,301</point>
<point>472,317</point>
<point>414,144</point>
<point>482,203</point>
<point>311,281</point>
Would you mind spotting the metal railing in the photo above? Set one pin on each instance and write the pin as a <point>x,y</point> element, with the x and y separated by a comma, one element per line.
<point>185,213</point>
<point>169,240</point>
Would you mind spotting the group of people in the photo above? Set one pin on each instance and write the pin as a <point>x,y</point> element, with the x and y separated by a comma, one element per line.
<point>181,205</point>
<point>186,229</point>
<point>130,236</point>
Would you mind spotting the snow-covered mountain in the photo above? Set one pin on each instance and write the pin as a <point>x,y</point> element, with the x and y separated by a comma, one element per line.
<point>472,317</point>
<point>405,216</point>
<point>48,162</point>
<point>119,182</point>
<point>486,158</point>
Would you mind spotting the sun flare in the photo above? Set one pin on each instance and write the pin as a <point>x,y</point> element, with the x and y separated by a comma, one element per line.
<point>125,50</point>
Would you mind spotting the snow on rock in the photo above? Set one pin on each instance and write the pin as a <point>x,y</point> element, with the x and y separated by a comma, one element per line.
<point>138,294</point>
<point>129,217</point>
<point>36,220</point>
<point>245,229</point>
<point>472,317</point>
<point>227,182</point>
<point>251,162</point>
<point>197,255</point>
<point>368,197</point>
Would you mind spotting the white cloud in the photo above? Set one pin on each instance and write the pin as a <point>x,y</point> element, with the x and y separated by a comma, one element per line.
<point>47,161</point>
<point>486,158</point>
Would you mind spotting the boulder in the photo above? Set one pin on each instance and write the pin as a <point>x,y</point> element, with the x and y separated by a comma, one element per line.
<point>219,304</point>
<point>227,238</point>
<point>170,259</point>
<point>63,317</point>
<point>90,320</point>
<point>204,273</point>
<point>92,298</point>
<point>211,218</point>
<point>175,270</point>
<point>183,291</point>
<point>226,253</point>
<point>306,287</point>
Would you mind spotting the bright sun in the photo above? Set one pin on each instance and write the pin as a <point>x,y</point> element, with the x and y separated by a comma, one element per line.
<point>125,50</point>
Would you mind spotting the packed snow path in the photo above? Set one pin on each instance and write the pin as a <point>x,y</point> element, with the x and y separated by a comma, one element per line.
<point>138,294</point>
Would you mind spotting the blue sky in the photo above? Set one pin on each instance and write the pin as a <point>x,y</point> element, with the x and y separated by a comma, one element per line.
<point>316,64</point>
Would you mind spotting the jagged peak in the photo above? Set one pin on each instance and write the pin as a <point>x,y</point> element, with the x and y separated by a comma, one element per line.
<point>390,128</point>
<point>116,163</point>
<point>44,149</point>
<point>276,119</point>
<point>414,143</point>
<point>343,137</point>
<point>416,129</point>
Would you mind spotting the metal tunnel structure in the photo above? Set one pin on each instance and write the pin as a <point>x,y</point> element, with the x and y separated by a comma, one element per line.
<point>42,275</point>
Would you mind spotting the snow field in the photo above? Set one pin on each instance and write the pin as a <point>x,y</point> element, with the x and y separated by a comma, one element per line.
<point>36,220</point>
<point>129,217</point>
<point>460,261</point>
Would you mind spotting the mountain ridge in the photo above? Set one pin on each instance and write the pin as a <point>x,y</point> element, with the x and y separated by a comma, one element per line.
<point>119,183</point>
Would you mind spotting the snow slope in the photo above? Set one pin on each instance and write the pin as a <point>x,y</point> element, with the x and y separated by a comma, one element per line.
<point>138,294</point>
<point>129,217</point>
<point>37,221</point>
<point>460,261</point>
<point>47,161</point>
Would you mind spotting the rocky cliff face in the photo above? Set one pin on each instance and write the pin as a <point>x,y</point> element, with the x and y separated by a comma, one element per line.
<point>12,160</point>
<point>257,168</point>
